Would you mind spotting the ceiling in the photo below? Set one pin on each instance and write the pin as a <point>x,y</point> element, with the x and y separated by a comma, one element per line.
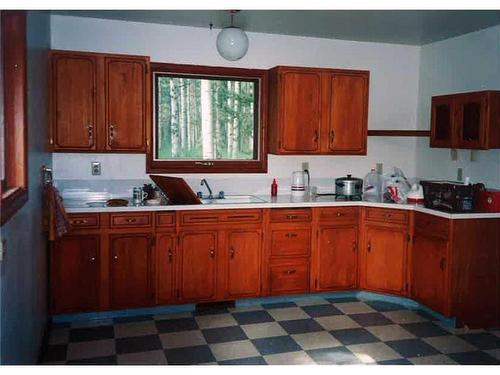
<point>415,27</point>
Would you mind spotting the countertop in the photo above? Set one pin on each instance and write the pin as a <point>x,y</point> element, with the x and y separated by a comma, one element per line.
<point>281,201</point>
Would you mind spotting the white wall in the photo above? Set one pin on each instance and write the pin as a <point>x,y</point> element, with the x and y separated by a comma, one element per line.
<point>393,87</point>
<point>466,63</point>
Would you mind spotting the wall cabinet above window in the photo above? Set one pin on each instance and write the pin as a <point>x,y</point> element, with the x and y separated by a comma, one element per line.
<point>99,102</point>
<point>467,120</point>
<point>318,111</point>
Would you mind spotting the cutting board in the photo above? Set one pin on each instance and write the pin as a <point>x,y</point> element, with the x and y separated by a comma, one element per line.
<point>176,189</point>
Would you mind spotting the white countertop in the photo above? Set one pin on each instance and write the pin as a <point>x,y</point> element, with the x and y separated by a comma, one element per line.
<point>281,201</point>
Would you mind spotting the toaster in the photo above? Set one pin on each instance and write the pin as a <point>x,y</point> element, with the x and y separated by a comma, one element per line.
<point>488,201</point>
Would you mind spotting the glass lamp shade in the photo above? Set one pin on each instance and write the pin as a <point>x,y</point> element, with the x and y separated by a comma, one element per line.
<point>232,43</point>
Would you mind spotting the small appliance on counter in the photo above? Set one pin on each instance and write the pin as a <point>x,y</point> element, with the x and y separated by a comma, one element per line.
<point>348,188</point>
<point>450,196</point>
<point>299,184</point>
<point>488,200</point>
<point>416,194</point>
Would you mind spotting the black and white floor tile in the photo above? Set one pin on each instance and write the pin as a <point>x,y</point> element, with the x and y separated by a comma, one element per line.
<point>307,331</point>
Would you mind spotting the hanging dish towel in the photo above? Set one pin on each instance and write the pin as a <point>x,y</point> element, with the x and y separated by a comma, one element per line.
<point>57,222</point>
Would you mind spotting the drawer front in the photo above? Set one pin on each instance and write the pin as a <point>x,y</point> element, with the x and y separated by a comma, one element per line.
<point>165,219</point>
<point>430,224</point>
<point>130,220</point>
<point>290,242</point>
<point>285,215</point>
<point>241,216</point>
<point>387,215</point>
<point>197,217</point>
<point>86,221</point>
<point>339,213</point>
<point>289,277</point>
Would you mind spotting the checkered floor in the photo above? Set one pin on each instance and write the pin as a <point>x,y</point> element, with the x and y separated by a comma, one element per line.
<point>307,331</point>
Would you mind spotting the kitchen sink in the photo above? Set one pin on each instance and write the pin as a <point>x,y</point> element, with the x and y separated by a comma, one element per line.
<point>233,199</point>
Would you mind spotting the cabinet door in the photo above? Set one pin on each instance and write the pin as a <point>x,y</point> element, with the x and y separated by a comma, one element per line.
<point>471,120</point>
<point>243,264</point>
<point>428,270</point>
<point>130,273</point>
<point>442,119</point>
<point>337,260</point>
<point>348,109</point>
<point>198,265</point>
<point>301,112</point>
<point>75,274</point>
<point>74,109</point>
<point>125,104</point>
<point>385,259</point>
<point>165,267</point>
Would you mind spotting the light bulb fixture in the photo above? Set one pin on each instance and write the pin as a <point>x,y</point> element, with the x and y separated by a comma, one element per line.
<point>232,42</point>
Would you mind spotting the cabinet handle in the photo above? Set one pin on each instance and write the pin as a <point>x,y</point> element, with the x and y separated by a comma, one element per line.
<point>92,259</point>
<point>332,136</point>
<point>442,264</point>
<point>291,217</point>
<point>289,272</point>
<point>91,133</point>
<point>369,246</point>
<point>387,215</point>
<point>131,221</point>
<point>340,214</point>
<point>241,217</point>
<point>232,252</point>
<point>77,222</point>
<point>115,257</point>
<point>212,253</point>
<point>111,134</point>
<point>354,246</point>
<point>291,235</point>
<point>170,255</point>
<point>316,136</point>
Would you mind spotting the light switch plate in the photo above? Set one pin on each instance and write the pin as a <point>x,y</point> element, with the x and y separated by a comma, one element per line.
<point>96,168</point>
<point>305,166</point>
<point>454,154</point>
<point>379,168</point>
<point>460,174</point>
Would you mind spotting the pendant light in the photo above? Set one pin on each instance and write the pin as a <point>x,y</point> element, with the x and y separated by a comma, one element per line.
<point>232,42</point>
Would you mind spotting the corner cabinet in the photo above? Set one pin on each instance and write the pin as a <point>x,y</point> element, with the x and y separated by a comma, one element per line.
<point>466,120</point>
<point>98,102</point>
<point>318,111</point>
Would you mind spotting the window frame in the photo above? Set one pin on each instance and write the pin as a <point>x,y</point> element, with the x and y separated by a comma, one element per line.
<point>210,166</point>
<point>14,184</point>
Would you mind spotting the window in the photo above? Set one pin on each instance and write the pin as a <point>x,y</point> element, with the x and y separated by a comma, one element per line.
<point>14,185</point>
<point>208,119</point>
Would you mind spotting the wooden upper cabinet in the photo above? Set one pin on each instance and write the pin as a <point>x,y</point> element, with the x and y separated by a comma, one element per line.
<point>466,121</point>
<point>75,281</point>
<point>99,102</point>
<point>74,105</point>
<point>318,111</point>
<point>348,106</point>
<point>126,108</point>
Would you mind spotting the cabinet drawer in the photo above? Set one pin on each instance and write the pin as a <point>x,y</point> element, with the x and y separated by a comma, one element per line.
<point>197,217</point>
<point>387,215</point>
<point>165,219</point>
<point>241,216</point>
<point>290,242</point>
<point>339,213</point>
<point>86,221</point>
<point>130,220</point>
<point>431,225</point>
<point>286,215</point>
<point>289,277</point>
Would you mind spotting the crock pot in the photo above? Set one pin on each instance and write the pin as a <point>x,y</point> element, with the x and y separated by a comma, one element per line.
<point>348,186</point>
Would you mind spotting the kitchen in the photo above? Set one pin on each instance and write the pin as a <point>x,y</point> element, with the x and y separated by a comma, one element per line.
<point>398,82</point>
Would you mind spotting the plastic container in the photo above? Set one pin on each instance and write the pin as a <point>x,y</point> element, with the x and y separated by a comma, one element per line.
<point>372,186</point>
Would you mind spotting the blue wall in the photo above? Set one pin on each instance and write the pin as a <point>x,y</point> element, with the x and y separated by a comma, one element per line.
<point>23,310</point>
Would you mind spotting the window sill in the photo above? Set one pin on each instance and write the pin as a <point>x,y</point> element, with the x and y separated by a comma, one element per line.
<point>12,201</point>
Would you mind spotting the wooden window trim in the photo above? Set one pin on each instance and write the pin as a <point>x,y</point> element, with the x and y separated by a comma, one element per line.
<point>214,166</point>
<point>14,186</point>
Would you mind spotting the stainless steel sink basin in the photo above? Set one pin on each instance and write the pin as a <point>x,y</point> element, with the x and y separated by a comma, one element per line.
<point>233,199</point>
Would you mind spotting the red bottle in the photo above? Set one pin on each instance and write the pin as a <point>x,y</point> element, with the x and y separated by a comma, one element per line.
<point>274,188</point>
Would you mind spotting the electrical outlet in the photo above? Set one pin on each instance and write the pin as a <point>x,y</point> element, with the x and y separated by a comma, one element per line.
<point>454,154</point>
<point>379,168</point>
<point>460,174</point>
<point>3,249</point>
<point>305,165</point>
<point>96,168</point>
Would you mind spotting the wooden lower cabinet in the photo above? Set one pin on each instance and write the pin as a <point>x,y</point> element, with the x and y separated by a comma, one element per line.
<point>198,265</point>
<point>337,257</point>
<point>243,263</point>
<point>429,271</point>
<point>165,261</point>
<point>75,281</point>
<point>289,276</point>
<point>385,259</point>
<point>131,270</point>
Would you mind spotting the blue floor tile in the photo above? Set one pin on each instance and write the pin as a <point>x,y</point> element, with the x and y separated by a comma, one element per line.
<point>224,334</point>
<point>425,329</point>
<point>354,336</point>
<point>385,306</point>
<point>483,340</point>
<point>252,317</point>
<point>128,319</point>
<point>317,311</point>
<point>278,305</point>
<point>138,344</point>
<point>91,333</point>
<point>397,362</point>
<point>370,319</point>
<point>109,360</point>
<point>300,326</point>
<point>333,356</point>
<point>474,358</point>
<point>189,356</point>
<point>343,299</point>
<point>274,345</point>
<point>244,361</point>
<point>176,325</point>
<point>412,348</point>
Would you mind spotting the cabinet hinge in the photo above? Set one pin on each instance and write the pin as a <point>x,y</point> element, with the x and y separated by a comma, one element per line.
<point>316,283</point>
<point>51,141</point>
<point>178,293</point>
<point>178,240</point>
<point>408,237</point>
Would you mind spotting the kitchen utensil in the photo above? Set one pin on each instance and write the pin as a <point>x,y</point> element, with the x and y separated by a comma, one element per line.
<point>138,196</point>
<point>117,202</point>
<point>348,187</point>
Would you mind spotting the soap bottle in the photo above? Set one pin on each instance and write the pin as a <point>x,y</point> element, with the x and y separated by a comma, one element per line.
<point>274,188</point>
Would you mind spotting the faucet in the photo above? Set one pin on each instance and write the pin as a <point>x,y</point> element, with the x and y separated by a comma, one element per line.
<point>205,182</point>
